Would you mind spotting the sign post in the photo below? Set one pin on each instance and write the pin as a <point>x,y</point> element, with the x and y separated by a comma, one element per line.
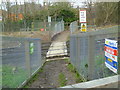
<point>82,20</point>
<point>111,55</point>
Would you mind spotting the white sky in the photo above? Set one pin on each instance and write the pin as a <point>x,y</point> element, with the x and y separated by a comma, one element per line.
<point>76,2</point>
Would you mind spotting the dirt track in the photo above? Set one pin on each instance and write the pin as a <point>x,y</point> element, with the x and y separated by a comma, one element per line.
<point>62,37</point>
<point>49,78</point>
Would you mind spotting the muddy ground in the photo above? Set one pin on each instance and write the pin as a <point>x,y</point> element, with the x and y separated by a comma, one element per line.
<point>49,77</point>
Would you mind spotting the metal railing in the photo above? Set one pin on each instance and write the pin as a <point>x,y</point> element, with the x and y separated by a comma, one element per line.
<point>52,27</point>
<point>35,25</point>
<point>21,58</point>
<point>87,52</point>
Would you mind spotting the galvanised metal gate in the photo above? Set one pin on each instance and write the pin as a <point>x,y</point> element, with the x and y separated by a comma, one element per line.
<point>87,52</point>
<point>21,58</point>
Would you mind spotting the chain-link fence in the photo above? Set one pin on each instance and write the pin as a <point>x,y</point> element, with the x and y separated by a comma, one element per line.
<point>28,25</point>
<point>21,58</point>
<point>73,26</point>
<point>87,52</point>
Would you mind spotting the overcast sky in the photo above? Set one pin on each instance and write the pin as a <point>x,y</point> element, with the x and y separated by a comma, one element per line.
<point>75,2</point>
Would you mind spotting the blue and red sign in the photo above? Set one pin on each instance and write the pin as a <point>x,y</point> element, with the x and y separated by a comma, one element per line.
<point>111,54</point>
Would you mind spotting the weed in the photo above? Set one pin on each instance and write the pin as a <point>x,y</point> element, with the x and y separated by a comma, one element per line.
<point>62,80</point>
<point>41,70</point>
<point>76,74</point>
<point>78,78</point>
<point>26,86</point>
<point>86,65</point>
<point>71,68</point>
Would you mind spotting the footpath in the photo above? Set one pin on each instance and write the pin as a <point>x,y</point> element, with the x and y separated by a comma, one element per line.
<point>55,73</point>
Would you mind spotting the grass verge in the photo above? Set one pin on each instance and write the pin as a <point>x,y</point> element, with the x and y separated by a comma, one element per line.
<point>77,76</point>
<point>12,79</point>
<point>62,80</point>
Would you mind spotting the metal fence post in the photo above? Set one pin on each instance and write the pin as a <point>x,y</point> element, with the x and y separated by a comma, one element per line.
<point>27,57</point>
<point>91,53</point>
<point>76,59</point>
<point>39,52</point>
<point>78,53</point>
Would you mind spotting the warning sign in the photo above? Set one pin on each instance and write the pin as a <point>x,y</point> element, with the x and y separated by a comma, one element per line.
<point>82,16</point>
<point>83,27</point>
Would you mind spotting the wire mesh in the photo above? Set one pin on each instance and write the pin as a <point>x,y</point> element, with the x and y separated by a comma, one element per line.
<point>0,26</point>
<point>14,60</point>
<point>79,52</point>
<point>100,68</point>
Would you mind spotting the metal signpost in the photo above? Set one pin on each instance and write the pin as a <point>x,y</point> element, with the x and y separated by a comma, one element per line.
<point>82,17</point>
<point>111,55</point>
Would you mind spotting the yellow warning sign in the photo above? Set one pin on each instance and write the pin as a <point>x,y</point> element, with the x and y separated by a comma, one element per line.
<point>83,27</point>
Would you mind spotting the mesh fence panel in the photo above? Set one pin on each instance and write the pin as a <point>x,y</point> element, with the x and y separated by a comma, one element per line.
<point>80,47</point>
<point>13,63</point>
<point>0,26</point>
<point>78,54</point>
<point>16,59</point>
<point>100,68</point>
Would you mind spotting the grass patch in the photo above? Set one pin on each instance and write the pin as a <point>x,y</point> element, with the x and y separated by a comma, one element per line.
<point>71,68</point>
<point>77,76</point>
<point>62,80</point>
<point>10,79</point>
